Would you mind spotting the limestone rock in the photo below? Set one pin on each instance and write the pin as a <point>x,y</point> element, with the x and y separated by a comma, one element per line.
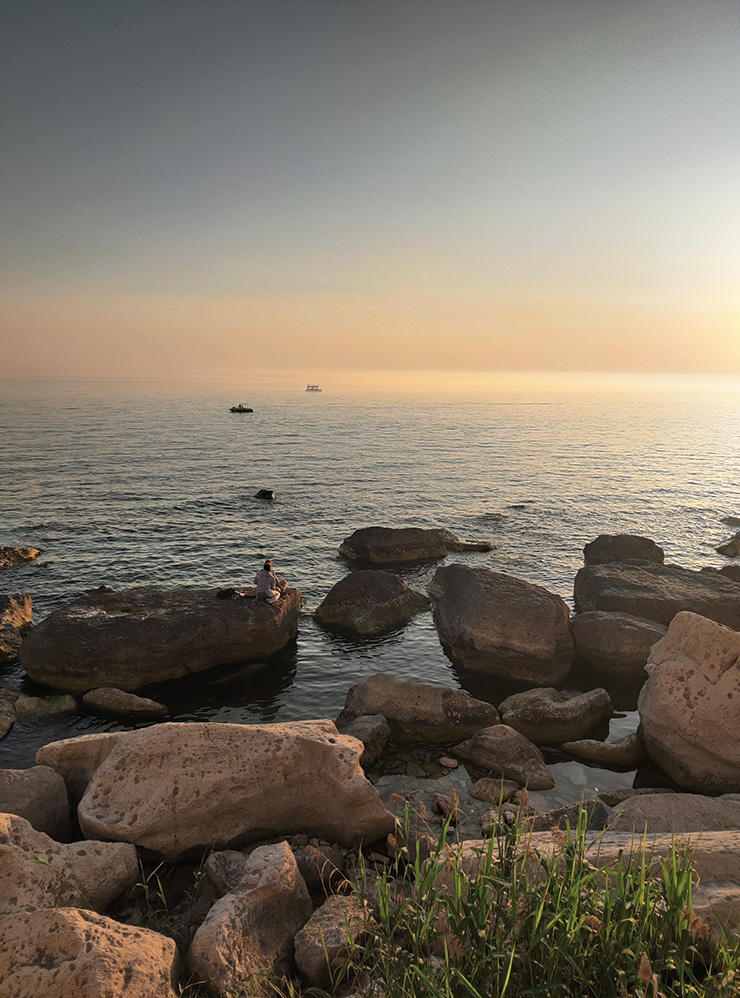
<point>370,602</point>
<point>617,644</point>
<point>73,953</point>
<point>498,624</point>
<point>418,712</point>
<point>372,730</point>
<point>493,791</point>
<point>8,697</point>
<point>624,753</point>
<point>177,789</point>
<point>130,639</point>
<point>507,753</point>
<point>549,716</point>
<point>394,545</point>
<point>320,865</point>
<point>10,556</point>
<point>689,706</point>
<point>322,946</point>
<point>658,592</point>
<point>26,706</point>
<point>76,759</point>
<point>39,795</point>
<point>622,547</point>
<point>108,700</point>
<point>675,813</point>
<point>249,932</point>
<point>596,817</point>
<point>226,869</point>
<point>37,872</point>
<point>15,621</point>
<point>731,548</point>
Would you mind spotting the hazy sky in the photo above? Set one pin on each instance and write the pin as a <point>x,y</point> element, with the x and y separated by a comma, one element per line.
<point>216,187</point>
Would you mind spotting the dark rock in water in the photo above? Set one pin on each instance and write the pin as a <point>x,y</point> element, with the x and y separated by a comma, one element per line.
<point>625,753</point>
<point>507,753</point>
<point>393,545</point>
<point>498,624</point>
<point>118,703</point>
<point>622,547</point>
<point>10,556</point>
<point>132,638</point>
<point>15,621</point>
<point>370,602</point>
<point>617,644</point>
<point>265,494</point>
<point>730,548</point>
<point>658,592</point>
<point>549,716</point>
<point>372,730</point>
<point>40,796</point>
<point>732,572</point>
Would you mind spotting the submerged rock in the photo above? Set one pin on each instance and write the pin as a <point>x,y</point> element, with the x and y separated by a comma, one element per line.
<point>617,644</point>
<point>370,602</point>
<point>129,639</point>
<point>622,547</point>
<point>389,545</point>
<point>499,624</point>
<point>549,716</point>
<point>10,556</point>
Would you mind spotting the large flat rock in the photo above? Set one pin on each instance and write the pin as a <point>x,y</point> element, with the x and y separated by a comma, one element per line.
<point>141,636</point>
<point>394,545</point>
<point>658,592</point>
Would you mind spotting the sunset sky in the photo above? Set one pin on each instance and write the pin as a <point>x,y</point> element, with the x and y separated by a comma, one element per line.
<point>218,188</point>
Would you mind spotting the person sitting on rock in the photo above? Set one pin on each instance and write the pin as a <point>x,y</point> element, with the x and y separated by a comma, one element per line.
<point>269,587</point>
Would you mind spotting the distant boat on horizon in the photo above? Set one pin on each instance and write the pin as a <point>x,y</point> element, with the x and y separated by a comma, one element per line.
<point>313,388</point>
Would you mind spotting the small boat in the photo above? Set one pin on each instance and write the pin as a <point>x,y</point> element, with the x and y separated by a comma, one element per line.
<point>313,388</point>
<point>240,408</point>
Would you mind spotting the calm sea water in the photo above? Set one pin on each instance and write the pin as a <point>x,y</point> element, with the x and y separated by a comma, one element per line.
<point>153,485</point>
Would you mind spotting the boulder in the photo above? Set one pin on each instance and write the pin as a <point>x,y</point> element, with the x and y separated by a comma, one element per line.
<point>493,791</point>
<point>498,624</point>
<point>26,706</point>
<point>372,730</point>
<point>39,795</point>
<point>180,788</point>
<point>76,759</point>
<point>37,872</point>
<point>624,753</point>
<point>730,548</point>
<point>10,556</point>
<point>549,716</point>
<point>507,753</point>
<point>689,705</point>
<point>15,622</point>
<point>675,813</point>
<point>622,547</point>
<point>394,545</point>
<point>593,813</point>
<point>73,953</point>
<point>129,639</point>
<point>657,592</point>
<point>321,866</point>
<point>323,945</point>
<point>225,869</point>
<point>8,698</point>
<point>249,932</point>
<point>617,644</point>
<point>418,712</point>
<point>118,703</point>
<point>370,602</point>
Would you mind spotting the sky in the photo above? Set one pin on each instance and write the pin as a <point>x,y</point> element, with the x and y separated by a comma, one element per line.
<point>224,188</point>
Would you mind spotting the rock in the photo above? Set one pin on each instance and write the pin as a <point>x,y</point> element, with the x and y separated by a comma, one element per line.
<point>178,789</point>
<point>622,547</point>
<point>74,953</point>
<point>689,705</point>
<point>26,706</point>
<point>320,865</point>
<point>509,754</point>
<point>549,716</point>
<point>372,730</point>
<point>76,759</point>
<point>658,592</point>
<point>8,697</point>
<point>393,545</point>
<point>108,700</point>
<point>10,556</point>
<point>15,621</point>
<point>322,946</point>
<point>265,494</point>
<point>497,624</point>
<point>129,639</point>
<point>732,572</point>
<point>418,712</point>
<point>613,797</point>
<point>624,753</point>
<point>596,817</point>
<point>39,795</point>
<point>617,644</point>
<point>675,813</point>
<point>249,932</point>
<point>730,548</point>
<point>448,762</point>
<point>370,602</point>
<point>225,869</point>
<point>493,791</point>
<point>37,872</point>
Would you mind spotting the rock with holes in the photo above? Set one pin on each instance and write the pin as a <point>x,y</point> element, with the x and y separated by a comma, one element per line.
<point>395,545</point>
<point>370,602</point>
<point>549,716</point>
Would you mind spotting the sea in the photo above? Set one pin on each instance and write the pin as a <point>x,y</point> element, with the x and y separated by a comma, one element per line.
<point>153,484</point>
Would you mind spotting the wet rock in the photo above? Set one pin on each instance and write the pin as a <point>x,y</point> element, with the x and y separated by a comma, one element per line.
<point>394,545</point>
<point>39,795</point>
<point>130,639</point>
<point>675,813</point>
<point>507,753</point>
<point>322,946</point>
<point>494,623</point>
<point>550,716</point>
<point>658,592</point>
<point>689,705</point>
<point>118,703</point>
<point>617,644</point>
<point>267,494</point>
<point>372,730</point>
<point>624,753</point>
<point>78,954</point>
<point>10,556</point>
<point>418,712</point>
<point>730,548</point>
<point>370,602</point>
<point>622,547</point>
